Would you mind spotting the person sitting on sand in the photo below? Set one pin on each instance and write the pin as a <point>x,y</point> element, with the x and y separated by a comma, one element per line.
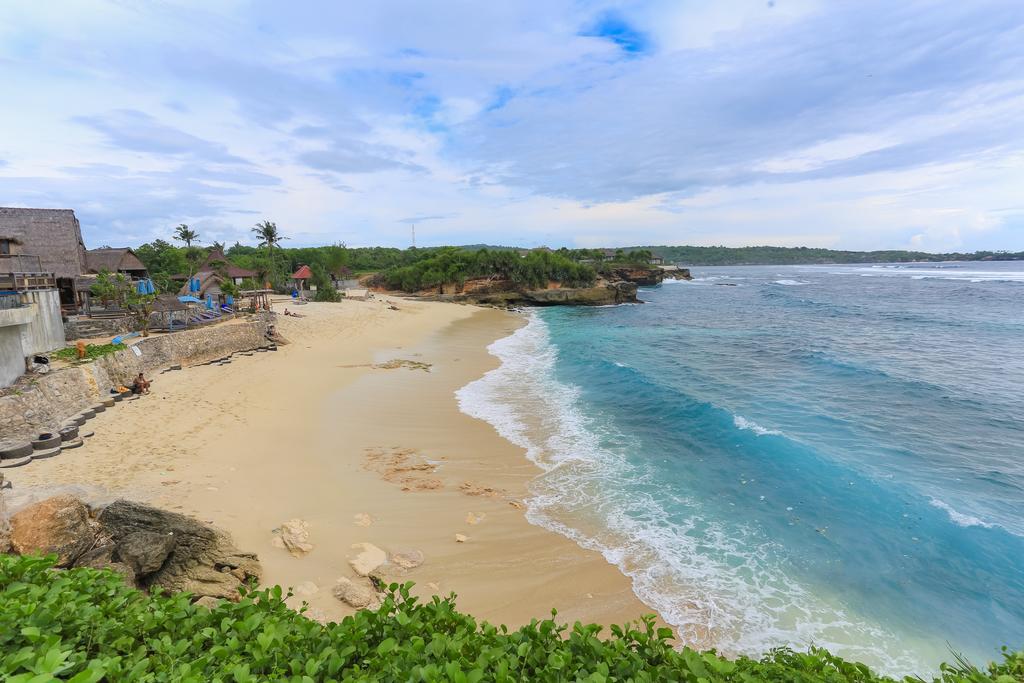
<point>141,385</point>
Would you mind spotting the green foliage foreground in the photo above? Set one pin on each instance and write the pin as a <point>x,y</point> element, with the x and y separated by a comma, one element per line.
<point>85,625</point>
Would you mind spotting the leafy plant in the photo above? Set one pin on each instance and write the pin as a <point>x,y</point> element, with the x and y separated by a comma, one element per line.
<point>92,351</point>
<point>85,625</point>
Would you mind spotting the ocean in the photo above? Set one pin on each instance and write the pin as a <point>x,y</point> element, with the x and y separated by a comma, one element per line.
<point>790,455</point>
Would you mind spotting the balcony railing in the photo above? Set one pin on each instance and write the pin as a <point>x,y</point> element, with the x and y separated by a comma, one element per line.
<point>20,263</point>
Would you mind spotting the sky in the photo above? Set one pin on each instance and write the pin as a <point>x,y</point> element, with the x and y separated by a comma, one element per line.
<point>827,123</point>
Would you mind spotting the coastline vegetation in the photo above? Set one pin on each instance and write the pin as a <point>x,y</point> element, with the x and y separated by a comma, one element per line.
<point>85,625</point>
<point>454,266</point>
<point>415,269</point>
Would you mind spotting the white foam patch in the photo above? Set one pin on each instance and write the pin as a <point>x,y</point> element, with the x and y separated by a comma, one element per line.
<point>790,283</point>
<point>743,423</point>
<point>958,518</point>
<point>938,273</point>
<point>720,586</point>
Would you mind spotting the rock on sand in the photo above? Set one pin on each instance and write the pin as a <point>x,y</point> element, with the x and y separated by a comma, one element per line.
<point>369,558</point>
<point>293,535</point>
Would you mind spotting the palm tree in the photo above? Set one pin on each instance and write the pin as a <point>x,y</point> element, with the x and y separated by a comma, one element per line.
<point>269,238</point>
<point>185,234</point>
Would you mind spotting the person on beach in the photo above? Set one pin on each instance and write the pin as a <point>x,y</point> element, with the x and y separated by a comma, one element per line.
<point>141,385</point>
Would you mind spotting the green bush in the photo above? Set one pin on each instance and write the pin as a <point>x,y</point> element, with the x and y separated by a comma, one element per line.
<point>85,625</point>
<point>455,266</point>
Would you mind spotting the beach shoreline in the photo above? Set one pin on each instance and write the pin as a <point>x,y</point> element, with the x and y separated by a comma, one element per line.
<point>353,428</point>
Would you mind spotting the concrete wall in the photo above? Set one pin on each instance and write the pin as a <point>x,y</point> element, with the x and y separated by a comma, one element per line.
<point>12,363</point>
<point>46,330</point>
<point>12,359</point>
<point>54,397</point>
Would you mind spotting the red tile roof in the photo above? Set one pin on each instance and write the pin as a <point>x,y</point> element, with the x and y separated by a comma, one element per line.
<point>303,273</point>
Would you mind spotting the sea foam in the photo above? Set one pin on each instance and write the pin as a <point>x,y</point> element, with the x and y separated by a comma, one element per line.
<point>743,423</point>
<point>722,588</point>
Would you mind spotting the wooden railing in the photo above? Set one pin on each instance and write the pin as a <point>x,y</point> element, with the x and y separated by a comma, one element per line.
<point>24,281</point>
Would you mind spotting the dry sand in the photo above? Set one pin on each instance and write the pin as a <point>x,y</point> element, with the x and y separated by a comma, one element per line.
<point>328,431</point>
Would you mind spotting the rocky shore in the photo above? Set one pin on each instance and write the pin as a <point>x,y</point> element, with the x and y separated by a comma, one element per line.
<point>619,286</point>
<point>149,547</point>
<point>498,294</point>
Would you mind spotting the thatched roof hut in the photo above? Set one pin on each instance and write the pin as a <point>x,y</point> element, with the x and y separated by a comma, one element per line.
<point>217,262</point>
<point>54,235</point>
<point>119,260</point>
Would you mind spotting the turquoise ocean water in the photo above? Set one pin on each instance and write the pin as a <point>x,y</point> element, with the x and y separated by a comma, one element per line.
<point>828,455</point>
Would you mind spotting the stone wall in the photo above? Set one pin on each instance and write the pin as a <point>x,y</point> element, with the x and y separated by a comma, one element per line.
<point>54,397</point>
<point>81,327</point>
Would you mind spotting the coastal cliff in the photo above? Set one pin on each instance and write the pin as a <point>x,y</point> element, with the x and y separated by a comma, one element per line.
<point>649,276</point>
<point>601,294</point>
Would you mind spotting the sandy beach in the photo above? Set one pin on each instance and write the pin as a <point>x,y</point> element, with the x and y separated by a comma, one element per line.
<point>353,428</point>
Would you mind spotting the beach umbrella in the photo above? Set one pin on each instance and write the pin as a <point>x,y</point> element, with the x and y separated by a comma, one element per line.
<point>140,286</point>
<point>150,288</point>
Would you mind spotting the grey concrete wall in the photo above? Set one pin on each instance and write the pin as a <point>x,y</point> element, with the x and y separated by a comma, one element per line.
<point>12,359</point>
<point>12,362</point>
<point>52,398</point>
<point>45,332</point>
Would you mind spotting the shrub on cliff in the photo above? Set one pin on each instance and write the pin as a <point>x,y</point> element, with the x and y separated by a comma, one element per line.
<point>84,625</point>
<point>455,266</point>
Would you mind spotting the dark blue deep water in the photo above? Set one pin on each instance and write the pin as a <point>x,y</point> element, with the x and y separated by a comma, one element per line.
<point>828,455</point>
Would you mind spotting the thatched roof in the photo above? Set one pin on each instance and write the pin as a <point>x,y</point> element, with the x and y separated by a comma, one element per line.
<point>216,258</point>
<point>168,302</point>
<point>115,260</point>
<point>53,235</point>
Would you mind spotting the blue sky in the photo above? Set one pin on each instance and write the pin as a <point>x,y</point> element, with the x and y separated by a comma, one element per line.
<point>831,123</point>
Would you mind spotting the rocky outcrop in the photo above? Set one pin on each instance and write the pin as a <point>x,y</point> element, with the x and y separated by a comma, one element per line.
<point>642,276</point>
<point>149,547</point>
<point>197,559</point>
<point>601,294</point>
<point>58,525</point>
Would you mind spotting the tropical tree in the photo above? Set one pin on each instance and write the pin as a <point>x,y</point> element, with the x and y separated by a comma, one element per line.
<point>269,238</point>
<point>185,234</point>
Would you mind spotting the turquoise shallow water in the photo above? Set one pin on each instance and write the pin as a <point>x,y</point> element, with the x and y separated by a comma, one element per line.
<point>830,455</point>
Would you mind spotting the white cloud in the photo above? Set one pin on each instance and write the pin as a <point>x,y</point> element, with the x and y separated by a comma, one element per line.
<point>862,125</point>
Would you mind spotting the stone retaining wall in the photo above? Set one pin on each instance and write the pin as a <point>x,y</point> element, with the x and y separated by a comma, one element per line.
<point>58,395</point>
<point>80,327</point>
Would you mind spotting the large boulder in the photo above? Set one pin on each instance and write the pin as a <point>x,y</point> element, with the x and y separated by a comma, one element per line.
<point>103,558</point>
<point>145,551</point>
<point>57,525</point>
<point>199,559</point>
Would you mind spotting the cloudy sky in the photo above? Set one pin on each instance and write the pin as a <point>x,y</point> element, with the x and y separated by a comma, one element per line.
<point>839,123</point>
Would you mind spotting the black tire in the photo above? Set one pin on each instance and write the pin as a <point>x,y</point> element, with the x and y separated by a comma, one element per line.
<point>68,433</point>
<point>74,443</point>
